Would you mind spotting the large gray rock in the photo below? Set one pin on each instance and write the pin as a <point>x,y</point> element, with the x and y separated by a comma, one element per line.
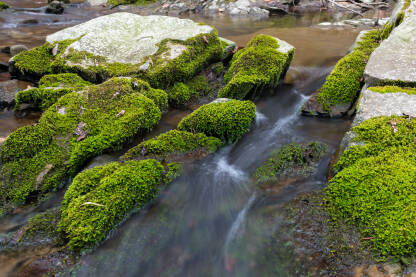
<point>128,38</point>
<point>395,59</point>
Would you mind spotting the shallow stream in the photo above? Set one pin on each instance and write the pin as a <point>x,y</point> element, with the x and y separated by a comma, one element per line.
<point>212,221</point>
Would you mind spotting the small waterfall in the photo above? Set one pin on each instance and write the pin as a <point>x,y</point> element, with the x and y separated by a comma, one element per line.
<point>224,168</point>
<point>260,118</point>
<point>238,223</point>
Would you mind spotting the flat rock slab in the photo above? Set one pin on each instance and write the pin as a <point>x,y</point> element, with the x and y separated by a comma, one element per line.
<point>395,59</point>
<point>126,37</point>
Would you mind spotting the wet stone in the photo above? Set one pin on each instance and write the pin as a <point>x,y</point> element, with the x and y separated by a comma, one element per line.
<point>8,91</point>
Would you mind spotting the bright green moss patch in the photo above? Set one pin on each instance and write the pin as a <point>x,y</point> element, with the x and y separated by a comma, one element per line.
<point>260,64</point>
<point>99,198</point>
<point>63,80</point>
<point>228,121</point>
<point>344,83</point>
<point>184,93</point>
<point>172,143</point>
<point>375,186</point>
<point>40,97</point>
<point>3,6</point>
<point>392,89</point>
<point>36,159</point>
<point>291,160</point>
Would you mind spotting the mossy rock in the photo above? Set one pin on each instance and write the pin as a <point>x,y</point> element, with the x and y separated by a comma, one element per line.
<point>182,94</point>
<point>374,187</point>
<point>291,160</point>
<point>262,63</point>
<point>228,121</point>
<point>174,145</point>
<point>3,6</point>
<point>43,227</point>
<point>37,159</point>
<point>159,49</point>
<point>99,198</point>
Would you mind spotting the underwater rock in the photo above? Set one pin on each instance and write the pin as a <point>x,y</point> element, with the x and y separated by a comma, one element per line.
<point>8,92</point>
<point>261,64</point>
<point>37,159</point>
<point>158,49</point>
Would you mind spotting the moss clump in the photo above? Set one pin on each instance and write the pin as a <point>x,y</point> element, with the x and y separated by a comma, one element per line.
<point>393,89</point>
<point>260,64</point>
<point>291,160</point>
<point>43,226</point>
<point>228,121</point>
<point>36,159</point>
<point>375,186</point>
<point>36,62</point>
<point>344,83</point>
<point>159,97</point>
<point>99,198</point>
<point>181,94</point>
<point>173,143</point>
<point>3,6</point>
<point>63,80</point>
<point>40,97</point>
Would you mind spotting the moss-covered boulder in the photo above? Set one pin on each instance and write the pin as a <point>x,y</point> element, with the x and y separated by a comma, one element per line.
<point>374,187</point>
<point>228,121</point>
<point>298,160</point>
<point>262,63</point>
<point>51,87</point>
<point>174,145</point>
<point>99,198</point>
<point>182,94</point>
<point>159,49</point>
<point>36,159</point>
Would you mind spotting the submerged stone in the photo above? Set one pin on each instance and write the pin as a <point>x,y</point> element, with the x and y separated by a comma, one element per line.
<point>174,145</point>
<point>228,121</point>
<point>262,63</point>
<point>294,160</point>
<point>37,159</point>
<point>159,49</point>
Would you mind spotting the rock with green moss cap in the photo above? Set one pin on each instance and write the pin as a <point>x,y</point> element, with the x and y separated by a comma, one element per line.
<point>51,88</point>
<point>174,145</point>
<point>182,94</point>
<point>159,49</point>
<point>261,64</point>
<point>3,6</point>
<point>228,121</point>
<point>100,198</point>
<point>343,85</point>
<point>37,159</point>
<point>294,160</point>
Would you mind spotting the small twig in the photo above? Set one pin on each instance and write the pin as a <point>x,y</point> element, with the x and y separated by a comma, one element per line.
<point>368,238</point>
<point>92,203</point>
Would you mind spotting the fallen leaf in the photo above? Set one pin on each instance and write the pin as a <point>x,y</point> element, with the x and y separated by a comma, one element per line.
<point>121,113</point>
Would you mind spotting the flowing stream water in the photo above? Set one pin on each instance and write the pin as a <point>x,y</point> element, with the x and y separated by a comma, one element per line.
<point>212,221</point>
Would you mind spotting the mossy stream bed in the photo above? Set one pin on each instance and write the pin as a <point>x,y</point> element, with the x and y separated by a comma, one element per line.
<point>214,220</point>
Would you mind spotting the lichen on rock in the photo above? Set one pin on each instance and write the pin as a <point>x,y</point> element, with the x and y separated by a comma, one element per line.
<point>37,159</point>
<point>262,63</point>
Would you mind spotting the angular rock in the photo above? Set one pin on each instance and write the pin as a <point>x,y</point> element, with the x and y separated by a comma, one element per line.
<point>262,63</point>
<point>55,7</point>
<point>229,48</point>
<point>159,49</point>
<point>53,142</point>
<point>394,62</point>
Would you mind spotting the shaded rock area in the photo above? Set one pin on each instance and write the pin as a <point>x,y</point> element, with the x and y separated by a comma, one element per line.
<point>394,61</point>
<point>8,92</point>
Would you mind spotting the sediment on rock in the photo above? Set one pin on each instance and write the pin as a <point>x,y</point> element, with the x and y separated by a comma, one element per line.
<point>261,64</point>
<point>76,128</point>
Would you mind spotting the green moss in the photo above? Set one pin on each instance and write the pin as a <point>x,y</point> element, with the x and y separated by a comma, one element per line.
<point>217,69</point>
<point>159,97</point>
<point>101,197</point>
<point>393,89</point>
<point>182,94</point>
<point>36,159</point>
<point>173,142</point>
<point>375,184</point>
<point>228,121</point>
<point>291,160</point>
<point>43,226</point>
<point>344,83</point>
<point>63,80</point>
<point>3,6</point>
<point>258,65</point>
<point>40,97</point>
<point>174,171</point>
